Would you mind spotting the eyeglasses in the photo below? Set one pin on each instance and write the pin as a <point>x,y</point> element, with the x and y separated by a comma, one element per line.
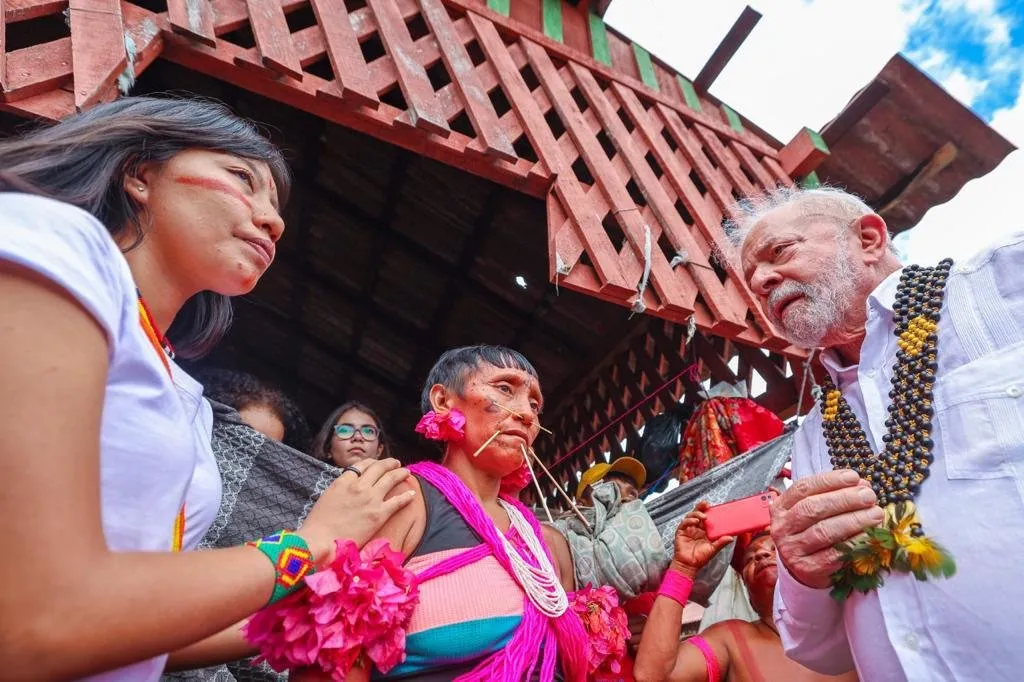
<point>346,431</point>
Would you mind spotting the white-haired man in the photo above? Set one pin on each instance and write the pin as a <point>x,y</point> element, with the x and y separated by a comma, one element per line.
<point>924,404</point>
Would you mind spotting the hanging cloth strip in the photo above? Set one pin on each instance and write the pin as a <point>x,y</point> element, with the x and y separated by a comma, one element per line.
<point>539,639</point>
<point>722,428</point>
<point>165,351</point>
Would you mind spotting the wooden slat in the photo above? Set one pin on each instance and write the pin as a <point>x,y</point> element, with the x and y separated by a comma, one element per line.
<point>38,69</point>
<point>730,314</point>
<point>701,276</point>
<point>586,225</point>
<point>464,76</point>
<point>523,175</point>
<point>599,39</point>
<point>351,77</point>
<point>192,18</point>
<point>689,93</point>
<point>97,49</point>
<point>3,47</point>
<point>502,7</point>
<point>778,174</point>
<point>273,38</point>
<point>551,19</point>
<point>423,108</point>
<point>52,105</point>
<point>23,10</point>
<point>625,211</point>
<point>691,150</point>
<point>726,161</point>
<point>615,45</point>
<point>750,162</point>
<point>645,66</point>
<point>739,31</point>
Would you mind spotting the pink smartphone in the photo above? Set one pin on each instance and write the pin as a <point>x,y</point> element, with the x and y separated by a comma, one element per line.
<point>739,516</point>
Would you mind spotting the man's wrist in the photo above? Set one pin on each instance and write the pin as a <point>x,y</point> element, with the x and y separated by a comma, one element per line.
<point>685,570</point>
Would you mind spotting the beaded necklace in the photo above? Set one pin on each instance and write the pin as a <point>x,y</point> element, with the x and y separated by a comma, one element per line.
<point>896,474</point>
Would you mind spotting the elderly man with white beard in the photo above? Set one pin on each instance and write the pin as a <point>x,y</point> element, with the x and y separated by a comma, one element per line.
<point>914,457</point>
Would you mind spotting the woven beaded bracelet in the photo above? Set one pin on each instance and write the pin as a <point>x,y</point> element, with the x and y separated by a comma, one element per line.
<point>291,558</point>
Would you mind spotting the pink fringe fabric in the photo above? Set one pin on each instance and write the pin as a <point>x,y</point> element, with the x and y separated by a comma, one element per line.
<point>538,639</point>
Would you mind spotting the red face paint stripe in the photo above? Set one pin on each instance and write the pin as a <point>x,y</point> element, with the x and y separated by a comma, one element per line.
<point>214,184</point>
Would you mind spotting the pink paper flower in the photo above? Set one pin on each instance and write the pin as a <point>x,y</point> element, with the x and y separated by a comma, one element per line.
<point>362,602</point>
<point>449,427</point>
<point>512,483</point>
<point>606,625</point>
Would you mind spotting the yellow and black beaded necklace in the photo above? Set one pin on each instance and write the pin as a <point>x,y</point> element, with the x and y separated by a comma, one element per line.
<point>896,474</point>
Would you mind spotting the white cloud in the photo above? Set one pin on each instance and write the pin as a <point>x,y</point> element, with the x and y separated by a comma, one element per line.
<point>962,86</point>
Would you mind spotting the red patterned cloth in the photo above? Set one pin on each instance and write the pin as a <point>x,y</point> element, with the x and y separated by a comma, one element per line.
<point>722,428</point>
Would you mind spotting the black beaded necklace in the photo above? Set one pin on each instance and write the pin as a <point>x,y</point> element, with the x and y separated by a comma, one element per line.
<point>898,472</point>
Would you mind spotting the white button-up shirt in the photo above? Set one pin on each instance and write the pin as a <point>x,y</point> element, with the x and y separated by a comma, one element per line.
<point>970,626</point>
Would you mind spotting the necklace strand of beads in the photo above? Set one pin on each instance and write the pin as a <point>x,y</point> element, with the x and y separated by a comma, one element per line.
<point>897,473</point>
<point>539,582</point>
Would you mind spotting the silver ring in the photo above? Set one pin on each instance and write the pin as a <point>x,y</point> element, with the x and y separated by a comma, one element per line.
<point>351,468</point>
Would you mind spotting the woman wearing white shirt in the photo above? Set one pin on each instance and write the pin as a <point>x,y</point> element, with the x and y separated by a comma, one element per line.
<point>137,216</point>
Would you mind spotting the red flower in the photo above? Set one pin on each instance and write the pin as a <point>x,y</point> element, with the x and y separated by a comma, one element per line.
<point>450,427</point>
<point>606,626</point>
<point>360,603</point>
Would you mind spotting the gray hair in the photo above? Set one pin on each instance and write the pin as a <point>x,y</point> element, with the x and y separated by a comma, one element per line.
<point>832,203</point>
<point>452,368</point>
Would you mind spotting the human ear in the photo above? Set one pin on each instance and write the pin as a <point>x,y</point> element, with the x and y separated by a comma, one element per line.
<point>137,183</point>
<point>873,235</point>
<point>440,400</point>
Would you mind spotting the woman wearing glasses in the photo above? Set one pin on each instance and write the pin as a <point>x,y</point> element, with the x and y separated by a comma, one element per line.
<point>353,432</point>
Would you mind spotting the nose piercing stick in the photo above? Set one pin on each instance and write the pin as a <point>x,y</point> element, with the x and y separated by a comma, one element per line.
<point>516,414</point>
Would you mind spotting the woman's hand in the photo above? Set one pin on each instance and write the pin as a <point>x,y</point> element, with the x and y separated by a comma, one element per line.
<point>693,549</point>
<point>355,506</point>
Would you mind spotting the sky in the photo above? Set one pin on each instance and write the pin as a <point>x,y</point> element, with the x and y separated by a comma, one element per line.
<point>824,51</point>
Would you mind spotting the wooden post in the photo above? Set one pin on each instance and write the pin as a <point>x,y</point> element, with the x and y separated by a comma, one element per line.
<point>805,152</point>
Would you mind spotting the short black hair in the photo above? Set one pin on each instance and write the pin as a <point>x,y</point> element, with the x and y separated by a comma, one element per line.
<point>452,368</point>
<point>239,390</point>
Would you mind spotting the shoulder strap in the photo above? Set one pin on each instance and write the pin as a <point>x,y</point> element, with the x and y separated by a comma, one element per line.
<point>744,651</point>
<point>714,670</point>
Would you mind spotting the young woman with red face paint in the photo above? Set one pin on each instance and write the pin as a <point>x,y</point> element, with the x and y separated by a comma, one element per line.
<point>137,216</point>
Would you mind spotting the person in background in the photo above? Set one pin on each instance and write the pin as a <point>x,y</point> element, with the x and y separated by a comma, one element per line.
<point>265,409</point>
<point>133,217</point>
<point>732,650</point>
<point>627,473</point>
<point>352,432</point>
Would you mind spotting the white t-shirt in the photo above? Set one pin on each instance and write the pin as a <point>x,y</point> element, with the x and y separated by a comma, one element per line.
<point>151,436</point>
<point>202,500</point>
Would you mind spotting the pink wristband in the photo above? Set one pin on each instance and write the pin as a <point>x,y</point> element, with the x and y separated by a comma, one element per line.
<point>676,586</point>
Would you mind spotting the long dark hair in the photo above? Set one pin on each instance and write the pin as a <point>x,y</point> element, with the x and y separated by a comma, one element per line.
<point>321,447</point>
<point>84,159</point>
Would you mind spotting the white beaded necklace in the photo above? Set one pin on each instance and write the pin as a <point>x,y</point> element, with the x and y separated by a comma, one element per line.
<point>539,582</point>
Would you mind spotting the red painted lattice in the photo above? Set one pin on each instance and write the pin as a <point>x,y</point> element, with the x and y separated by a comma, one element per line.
<point>637,182</point>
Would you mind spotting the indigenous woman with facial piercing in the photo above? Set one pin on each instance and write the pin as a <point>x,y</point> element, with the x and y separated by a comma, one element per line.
<point>136,217</point>
<point>459,584</point>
